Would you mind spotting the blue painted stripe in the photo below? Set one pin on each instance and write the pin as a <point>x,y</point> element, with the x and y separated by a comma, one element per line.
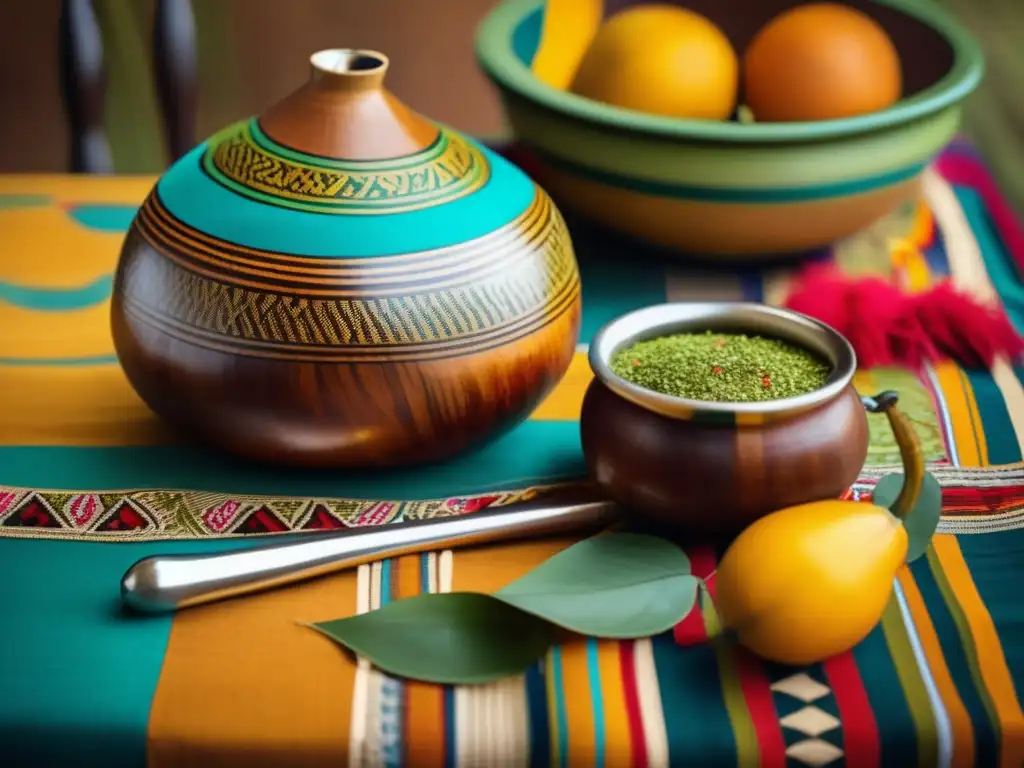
<point>752,195</point>
<point>535,452</point>
<point>596,701</point>
<point>58,362</point>
<point>537,704</point>
<point>554,668</point>
<point>51,299</point>
<point>77,677</point>
<point>392,690</point>
<point>425,572</point>
<point>451,757</point>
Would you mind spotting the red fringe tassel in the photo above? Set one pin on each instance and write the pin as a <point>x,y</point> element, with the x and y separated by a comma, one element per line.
<point>889,327</point>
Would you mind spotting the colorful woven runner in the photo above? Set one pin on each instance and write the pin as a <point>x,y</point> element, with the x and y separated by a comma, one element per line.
<point>90,481</point>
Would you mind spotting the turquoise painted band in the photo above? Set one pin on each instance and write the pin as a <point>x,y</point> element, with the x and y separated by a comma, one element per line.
<point>734,194</point>
<point>206,205</point>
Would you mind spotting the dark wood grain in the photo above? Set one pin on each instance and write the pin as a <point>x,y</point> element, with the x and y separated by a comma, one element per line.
<point>715,479</point>
<point>174,69</point>
<point>375,413</point>
<point>83,87</point>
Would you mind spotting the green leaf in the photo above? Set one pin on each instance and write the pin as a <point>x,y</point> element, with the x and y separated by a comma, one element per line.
<point>456,638</point>
<point>923,518</point>
<point>615,585</point>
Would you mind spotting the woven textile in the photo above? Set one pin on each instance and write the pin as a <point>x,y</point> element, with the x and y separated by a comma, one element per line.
<point>90,481</point>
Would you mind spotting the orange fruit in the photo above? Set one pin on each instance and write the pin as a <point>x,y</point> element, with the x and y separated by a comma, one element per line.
<point>820,62</point>
<point>661,60</point>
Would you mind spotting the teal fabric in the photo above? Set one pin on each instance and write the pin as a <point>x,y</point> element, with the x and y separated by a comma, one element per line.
<point>202,203</point>
<point>990,558</point>
<point>1003,447</point>
<point>57,299</point>
<point>77,677</point>
<point>103,218</point>
<point>535,452</point>
<point>998,262</point>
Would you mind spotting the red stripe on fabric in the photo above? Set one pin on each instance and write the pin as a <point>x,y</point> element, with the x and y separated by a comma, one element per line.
<point>960,169</point>
<point>691,630</point>
<point>638,744</point>
<point>760,703</point>
<point>860,731</point>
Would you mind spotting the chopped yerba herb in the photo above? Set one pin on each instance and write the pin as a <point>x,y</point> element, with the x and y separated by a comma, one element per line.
<point>721,367</point>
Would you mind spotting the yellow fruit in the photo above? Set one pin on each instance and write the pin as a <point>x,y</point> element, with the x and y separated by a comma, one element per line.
<point>661,60</point>
<point>569,26</point>
<point>808,582</point>
<point>819,62</point>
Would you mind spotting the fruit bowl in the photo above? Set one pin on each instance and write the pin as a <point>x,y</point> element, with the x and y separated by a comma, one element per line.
<point>726,188</point>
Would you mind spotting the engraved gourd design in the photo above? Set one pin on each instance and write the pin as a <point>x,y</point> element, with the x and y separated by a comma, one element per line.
<point>387,290</point>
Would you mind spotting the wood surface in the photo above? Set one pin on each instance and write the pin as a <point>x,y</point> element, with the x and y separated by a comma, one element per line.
<point>715,479</point>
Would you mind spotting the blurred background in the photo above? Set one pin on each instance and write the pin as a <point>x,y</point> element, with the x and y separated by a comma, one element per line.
<point>253,52</point>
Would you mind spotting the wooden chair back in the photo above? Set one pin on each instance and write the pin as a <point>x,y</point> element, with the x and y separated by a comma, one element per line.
<point>83,80</point>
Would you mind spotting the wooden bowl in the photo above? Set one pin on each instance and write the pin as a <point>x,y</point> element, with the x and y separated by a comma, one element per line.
<point>721,187</point>
<point>713,468</point>
<point>341,282</point>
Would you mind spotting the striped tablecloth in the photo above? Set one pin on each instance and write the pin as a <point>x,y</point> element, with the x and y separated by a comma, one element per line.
<point>90,481</point>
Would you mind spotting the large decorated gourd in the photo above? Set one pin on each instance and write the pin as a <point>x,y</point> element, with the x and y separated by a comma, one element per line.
<point>341,282</point>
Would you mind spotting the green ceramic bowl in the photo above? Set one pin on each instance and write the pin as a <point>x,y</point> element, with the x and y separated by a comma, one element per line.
<point>725,188</point>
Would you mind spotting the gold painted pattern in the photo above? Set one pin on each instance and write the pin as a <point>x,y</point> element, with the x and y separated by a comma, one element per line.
<point>447,170</point>
<point>522,287</point>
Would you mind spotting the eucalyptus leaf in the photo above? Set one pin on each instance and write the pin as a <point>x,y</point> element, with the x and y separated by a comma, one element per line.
<point>616,585</point>
<point>456,638</point>
<point>923,519</point>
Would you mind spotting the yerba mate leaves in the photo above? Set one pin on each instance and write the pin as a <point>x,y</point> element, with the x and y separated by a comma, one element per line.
<point>616,585</point>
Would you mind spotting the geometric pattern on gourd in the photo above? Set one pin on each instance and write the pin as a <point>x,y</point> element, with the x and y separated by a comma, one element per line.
<point>448,169</point>
<point>537,282</point>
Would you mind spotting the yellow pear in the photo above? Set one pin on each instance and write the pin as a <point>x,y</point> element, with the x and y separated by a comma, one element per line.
<point>808,582</point>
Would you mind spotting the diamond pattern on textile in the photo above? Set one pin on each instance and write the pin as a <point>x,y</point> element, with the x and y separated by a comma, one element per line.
<point>801,686</point>
<point>807,713</point>
<point>811,721</point>
<point>814,752</point>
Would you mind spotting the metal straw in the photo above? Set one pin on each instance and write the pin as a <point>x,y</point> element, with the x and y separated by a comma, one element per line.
<point>166,583</point>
